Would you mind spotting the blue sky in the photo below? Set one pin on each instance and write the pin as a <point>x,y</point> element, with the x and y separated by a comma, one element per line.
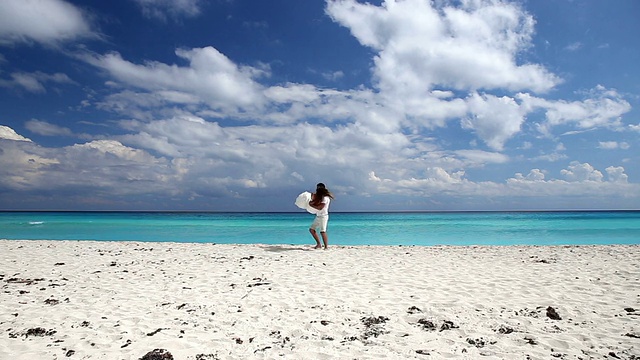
<point>395,105</point>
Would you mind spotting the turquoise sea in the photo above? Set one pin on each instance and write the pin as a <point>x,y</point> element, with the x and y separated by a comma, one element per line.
<point>402,228</point>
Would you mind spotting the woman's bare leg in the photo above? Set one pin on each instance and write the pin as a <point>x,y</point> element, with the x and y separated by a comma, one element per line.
<point>325,239</point>
<point>316,238</point>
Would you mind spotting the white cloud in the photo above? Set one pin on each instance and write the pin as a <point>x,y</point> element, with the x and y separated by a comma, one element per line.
<point>210,77</point>
<point>35,82</point>
<point>494,119</point>
<point>610,145</point>
<point>105,168</point>
<point>424,44</point>
<point>163,9</point>
<point>429,53</point>
<point>482,157</point>
<point>199,159</point>
<point>552,157</point>
<point>10,134</point>
<point>414,95</point>
<point>47,22</point>
<point>47,129</point>
<point>535,175</point>
<point>583,181</point>
<point>602,108</point>
<point>616,174</point>
<point>209,127</point>
<point>581,172</point>
<point>574,46</point>
<point>333,76</point>
<point>115,148</point>
<point>293,93</point>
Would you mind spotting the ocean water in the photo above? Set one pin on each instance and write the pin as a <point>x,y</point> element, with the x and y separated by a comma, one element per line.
<point>422,229</point>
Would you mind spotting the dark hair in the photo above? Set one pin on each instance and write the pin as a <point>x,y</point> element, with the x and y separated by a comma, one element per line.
<point>321,192</point>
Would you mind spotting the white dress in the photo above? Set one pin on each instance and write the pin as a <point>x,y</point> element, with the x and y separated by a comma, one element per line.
<point>302,201</point>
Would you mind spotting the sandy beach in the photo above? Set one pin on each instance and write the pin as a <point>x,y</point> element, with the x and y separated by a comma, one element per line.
<point>123,300</point>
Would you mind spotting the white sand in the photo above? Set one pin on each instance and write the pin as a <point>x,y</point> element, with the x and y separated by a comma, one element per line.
<point>119,300</point>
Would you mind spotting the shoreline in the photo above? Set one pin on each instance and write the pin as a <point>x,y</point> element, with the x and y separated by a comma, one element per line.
<point>104,300</point>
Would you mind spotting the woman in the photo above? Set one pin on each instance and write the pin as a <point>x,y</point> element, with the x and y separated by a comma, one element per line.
<point>320,201</point>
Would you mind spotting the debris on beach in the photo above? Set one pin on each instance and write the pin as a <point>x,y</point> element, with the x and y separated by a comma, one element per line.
<point>38,331</point>
<point>157,354</point>
<point>480,342</point>
<point>207,357</point>
<point>23,281</point>
<point>52,301</point>
<point>259,282</point>
<point>503,329</point>
<point>237,315</point>
<point>429,325</point>
<point>373,326</point>
<point>154,332</point>
<point>631,311</point>
<point>553,314</point>
<point>448,325</point>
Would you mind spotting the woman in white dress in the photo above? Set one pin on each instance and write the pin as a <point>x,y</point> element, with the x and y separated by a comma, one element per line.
<point>320,201</point>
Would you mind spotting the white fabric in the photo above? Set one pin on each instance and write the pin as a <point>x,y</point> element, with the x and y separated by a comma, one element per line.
<point>320,223</point>
<point>325,209</point>
<point>302,201</point>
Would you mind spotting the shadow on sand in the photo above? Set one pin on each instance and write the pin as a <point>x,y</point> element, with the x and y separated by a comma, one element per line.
<point>281,248</point>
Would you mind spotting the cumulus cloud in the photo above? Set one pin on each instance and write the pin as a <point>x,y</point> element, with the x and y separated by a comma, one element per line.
<point>189,158</point>
<point>417,84</point>
<point>10,134</point>
<point>581,172</point>
<point>105,168</point>
<point>425,50</point>
<point>535,175</point>
<point>581,180</point>
<point>211,77</point>
<point>602,108</point>
<point>616,174</point>
<point>47,22</point>
<point>422,45</point>
<point>494,119</point>
<point>207,127</point>
<point>583,184</point>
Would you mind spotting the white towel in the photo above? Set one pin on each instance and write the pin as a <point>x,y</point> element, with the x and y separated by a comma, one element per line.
<point>302,201</point>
